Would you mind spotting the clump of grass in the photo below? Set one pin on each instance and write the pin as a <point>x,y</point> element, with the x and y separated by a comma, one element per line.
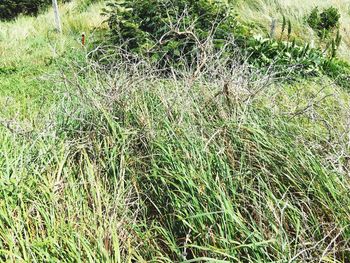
<point>57,208</point>
<point>220,174</point>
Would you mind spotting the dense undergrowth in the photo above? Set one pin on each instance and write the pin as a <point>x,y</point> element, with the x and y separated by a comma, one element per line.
<point>178,34</point>
<point>10,9</point>
<point>120,162</point>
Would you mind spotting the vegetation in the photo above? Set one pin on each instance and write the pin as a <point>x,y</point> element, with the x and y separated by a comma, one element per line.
<point>221,160</point>
<point>172,30</point>
<point>180,33</point>
<point>325,21</point>
<point>12,8</point>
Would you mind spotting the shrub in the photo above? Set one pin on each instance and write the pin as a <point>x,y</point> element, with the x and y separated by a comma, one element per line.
<point>175,32</point>
<point>313,19</point>
<point>330,18</point>
<point>169,30</point>
<point>10,9</point>
<point>326,25</point>
<point>324,22</point>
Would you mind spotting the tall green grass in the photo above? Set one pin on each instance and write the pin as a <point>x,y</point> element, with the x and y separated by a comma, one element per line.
<point>222,178</point>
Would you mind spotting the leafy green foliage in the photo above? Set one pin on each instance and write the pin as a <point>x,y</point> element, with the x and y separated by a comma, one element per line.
<point>298,60</point>
<point>313,19</point>
<point>11,8</point>
<point>283,55</point>
<point>326,25</point>
<point>169,30</point>
<point>324,22</point>
<point>264,52</point>
<point>329,18</point>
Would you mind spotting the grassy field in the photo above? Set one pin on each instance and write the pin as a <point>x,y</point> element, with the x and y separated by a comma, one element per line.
<point>125,165</point>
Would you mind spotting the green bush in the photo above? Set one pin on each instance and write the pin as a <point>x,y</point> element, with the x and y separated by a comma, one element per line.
<point>313,19</point>
<point>169,30</point>
<point>326,25</point>
<point>324,22</point>
<point>175,32</point>
<point>330,18</point>
<point>10,9</point>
